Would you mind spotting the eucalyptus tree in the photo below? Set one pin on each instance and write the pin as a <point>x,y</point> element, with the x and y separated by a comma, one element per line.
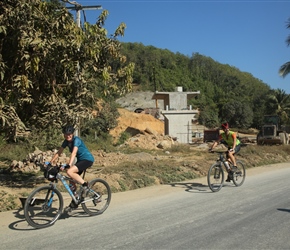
<point>51,70</point>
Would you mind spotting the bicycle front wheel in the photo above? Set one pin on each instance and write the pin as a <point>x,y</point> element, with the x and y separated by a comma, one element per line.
<point>43,207</point>
<point>215,177</point>
<point>240,174</point>
<point>98,197</point>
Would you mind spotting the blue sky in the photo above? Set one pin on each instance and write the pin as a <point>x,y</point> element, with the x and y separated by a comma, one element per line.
<point>249,35</point>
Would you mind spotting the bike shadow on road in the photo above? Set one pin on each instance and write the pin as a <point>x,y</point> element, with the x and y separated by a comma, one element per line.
<point>195,187</point>
<point>191,186</point>
<point>283,210</point>
<point>22,225</point>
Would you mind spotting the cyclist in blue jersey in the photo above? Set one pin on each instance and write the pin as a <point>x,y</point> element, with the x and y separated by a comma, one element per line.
<point>80,159</point>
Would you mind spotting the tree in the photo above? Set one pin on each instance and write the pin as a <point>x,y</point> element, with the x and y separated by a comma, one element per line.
<point>238,114</point>
<point>40,49</point>
<point>285,68</point>
<point>279,103</point>
<point>104,122</point>
<point>209,118</point>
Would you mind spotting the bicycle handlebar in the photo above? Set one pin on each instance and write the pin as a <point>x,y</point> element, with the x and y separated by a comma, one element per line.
<point>217,152</point>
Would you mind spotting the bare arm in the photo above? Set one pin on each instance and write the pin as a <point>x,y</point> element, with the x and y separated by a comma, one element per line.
<point>235,142</point>
<point>73,156</point>
<point>58,153</point>
<point>214,144</point>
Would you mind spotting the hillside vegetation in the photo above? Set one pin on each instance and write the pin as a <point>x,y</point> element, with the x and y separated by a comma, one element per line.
<point>226,93</point>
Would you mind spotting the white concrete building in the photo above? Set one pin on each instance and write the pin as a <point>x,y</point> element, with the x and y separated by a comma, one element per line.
<point>178,116</point>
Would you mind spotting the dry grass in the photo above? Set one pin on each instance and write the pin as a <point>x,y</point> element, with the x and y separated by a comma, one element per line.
<point>153,167</point>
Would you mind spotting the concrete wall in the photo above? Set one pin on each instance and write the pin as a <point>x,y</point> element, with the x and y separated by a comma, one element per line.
<point>178,117</point>
<point>174,100</point>
<point>178,101</point>
<point>179,124</point>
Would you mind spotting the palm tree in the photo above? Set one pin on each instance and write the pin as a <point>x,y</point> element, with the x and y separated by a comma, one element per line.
<point>285,68</point>
<point>279,103</point>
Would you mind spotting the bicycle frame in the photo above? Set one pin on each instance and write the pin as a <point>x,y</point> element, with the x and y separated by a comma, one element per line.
<point>64,180</point>
<point>222,159</point>
<point>216,172</point>
<point>44,204</point>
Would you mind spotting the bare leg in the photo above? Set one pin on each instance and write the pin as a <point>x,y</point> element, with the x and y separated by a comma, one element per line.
<point>73,173</point>
<point>232,158</point>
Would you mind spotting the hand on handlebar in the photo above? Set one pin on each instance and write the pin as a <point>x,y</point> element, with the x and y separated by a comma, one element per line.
<point>65,166</point>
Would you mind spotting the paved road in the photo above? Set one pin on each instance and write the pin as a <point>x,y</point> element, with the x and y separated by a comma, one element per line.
<point>181,216</point>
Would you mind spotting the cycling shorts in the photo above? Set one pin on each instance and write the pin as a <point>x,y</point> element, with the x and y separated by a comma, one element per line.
<point>237,148</point>
<point>83,165</point>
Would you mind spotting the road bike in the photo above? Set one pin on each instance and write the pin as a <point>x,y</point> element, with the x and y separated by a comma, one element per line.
<point>216,173</point>
<point>45,204</point>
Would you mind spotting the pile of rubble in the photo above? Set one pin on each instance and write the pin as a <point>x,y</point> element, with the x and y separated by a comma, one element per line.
<point>150,141</point>
<point>35,161</point>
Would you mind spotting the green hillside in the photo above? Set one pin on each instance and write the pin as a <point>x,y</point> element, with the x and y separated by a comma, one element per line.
<point>227,94</point>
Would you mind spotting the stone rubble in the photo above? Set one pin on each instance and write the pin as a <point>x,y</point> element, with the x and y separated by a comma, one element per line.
<point>35,161</point>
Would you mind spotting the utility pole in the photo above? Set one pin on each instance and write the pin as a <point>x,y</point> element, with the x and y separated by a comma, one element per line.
<point>78,8</point>
<point>155,87</point>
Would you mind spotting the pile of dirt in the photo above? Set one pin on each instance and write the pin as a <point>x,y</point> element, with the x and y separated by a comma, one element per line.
<point>135,123</point>
<point>145,130</point>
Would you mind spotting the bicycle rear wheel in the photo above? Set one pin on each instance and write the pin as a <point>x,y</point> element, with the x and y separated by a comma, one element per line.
<point>215,177</point>
<point>240,174</point>
<point>98,197</point>
<point>43,207</point>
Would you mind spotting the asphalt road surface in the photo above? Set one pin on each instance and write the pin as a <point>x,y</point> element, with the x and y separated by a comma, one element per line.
<point>180,216</point>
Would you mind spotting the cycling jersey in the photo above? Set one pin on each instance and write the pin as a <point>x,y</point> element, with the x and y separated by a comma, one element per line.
<point>83,153</point>
<point>229,139</point>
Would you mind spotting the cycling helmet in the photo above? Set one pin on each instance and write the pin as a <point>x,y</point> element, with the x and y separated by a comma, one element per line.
<point>225,125</point>
<point>68,129</point>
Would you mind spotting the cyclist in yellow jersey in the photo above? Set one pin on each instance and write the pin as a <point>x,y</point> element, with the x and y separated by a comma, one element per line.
<point>232,142</point>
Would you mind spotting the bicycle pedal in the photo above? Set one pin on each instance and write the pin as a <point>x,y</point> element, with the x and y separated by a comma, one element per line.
<point>68,209</point>
<point>97,201</point>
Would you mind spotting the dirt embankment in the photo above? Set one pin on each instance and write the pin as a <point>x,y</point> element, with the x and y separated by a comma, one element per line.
<point>135,123</point>
<point>146,131</point>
